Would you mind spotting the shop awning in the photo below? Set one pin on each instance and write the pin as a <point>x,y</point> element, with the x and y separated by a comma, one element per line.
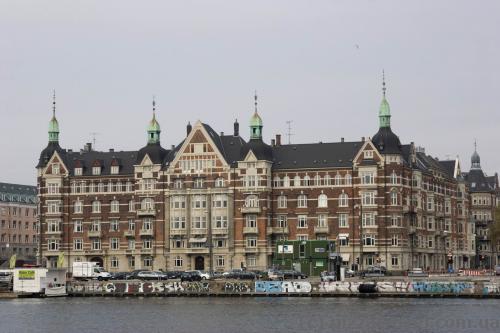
<point>197,240</point>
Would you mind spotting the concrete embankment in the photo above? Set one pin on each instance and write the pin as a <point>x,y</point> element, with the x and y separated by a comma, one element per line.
<point>406,288</point>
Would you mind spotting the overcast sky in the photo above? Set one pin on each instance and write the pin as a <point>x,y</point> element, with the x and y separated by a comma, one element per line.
<point>317,63</point>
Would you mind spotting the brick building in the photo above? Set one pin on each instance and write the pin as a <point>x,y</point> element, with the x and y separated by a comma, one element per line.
<point>483,192</point>
<point>216,201</point>
<point>18,221</point>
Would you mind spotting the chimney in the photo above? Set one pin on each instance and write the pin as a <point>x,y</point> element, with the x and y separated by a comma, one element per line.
<point>111,150</point>
<point>88,147</point>
<point>363,138</point>
<point>188,128</point>
<point>278,139</point>
<point>221,133</point>
<point>236,128</point>
<point>341,139</point>
<point>172,147</point>
<point>273,142</point>
<point>70,150</point>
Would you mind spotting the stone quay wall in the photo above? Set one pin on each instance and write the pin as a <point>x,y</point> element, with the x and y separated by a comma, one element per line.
<point>410,288</point>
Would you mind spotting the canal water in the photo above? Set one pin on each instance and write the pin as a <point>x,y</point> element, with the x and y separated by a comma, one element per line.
<point>242,315</point>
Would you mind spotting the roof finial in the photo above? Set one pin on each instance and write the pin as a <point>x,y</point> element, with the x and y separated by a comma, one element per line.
<point>383,83</point>
<point>154,107</point>
<point>255,100</point>
<point>475,145</point>
<point>54,103</point>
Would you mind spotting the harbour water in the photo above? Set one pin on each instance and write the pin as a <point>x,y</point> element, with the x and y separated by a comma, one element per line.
<point>242,315</point>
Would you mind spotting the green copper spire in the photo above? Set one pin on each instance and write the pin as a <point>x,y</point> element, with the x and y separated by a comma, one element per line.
<point>384,112</point>
<point>53,124</point>
<point>154,127</point>
<point>256,123</point>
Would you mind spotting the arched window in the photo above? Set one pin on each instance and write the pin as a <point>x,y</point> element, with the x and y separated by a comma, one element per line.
<point>394,178</point>
<point>322,200</point>
<point>252,201</point>
<point>343,200</point>
<point>286,181</point>
<point>302,201</point>
<point>131,206</point>
<point>317,180</point>
<point>115,206</point>
<point>96,206</point>
<point>100,187</point>
<point>119,186</point>
<point>282,201</point>
<point>219,182</point>
<point>327,180</point>
<point>129,187</point>
<point>307,180</point>
<point>78,207</point>
<point>73,187</point>
<point>394,198</point>
<point>296,181</point>
<point>338,180</point>
<point>277,182</point>
<point>147,204</point>
<point>348,179</point>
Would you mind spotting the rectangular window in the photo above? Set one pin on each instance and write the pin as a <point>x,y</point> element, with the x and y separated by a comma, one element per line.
<point>220,262</point>
<point>96,170</point>
<point>367,178</point>
<point>251,242</point>
<point>114,225</point>
<point>395,261</point>
<point>146,244</point>
<point>53,188</point>
<point>302,201</point>
<point>96,244</point>
<point>53,244</point>
<point>114,243</point>
<point>395,240</point>
<point>302,221</point>
<point>251,221</point>
<point>343,221</point>
<point>368,198</point>
<point>302,237</point>
<point>131,244</point>
<point>131,225</point>
<point>78,226</point>
<point>369,220</point>
<point>322,220</point>
<point>115,169</point>
<point>368,240</point>
<point>78,244</point>
<point>282,201</point>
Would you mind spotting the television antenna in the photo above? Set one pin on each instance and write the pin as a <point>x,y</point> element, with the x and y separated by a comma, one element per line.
<point>289,130</point>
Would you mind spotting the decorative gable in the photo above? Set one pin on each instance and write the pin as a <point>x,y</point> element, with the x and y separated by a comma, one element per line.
<point>367,154</point>
<point>56,166</point>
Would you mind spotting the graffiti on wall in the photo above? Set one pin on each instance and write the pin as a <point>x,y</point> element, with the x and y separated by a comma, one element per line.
<point>285,287</point>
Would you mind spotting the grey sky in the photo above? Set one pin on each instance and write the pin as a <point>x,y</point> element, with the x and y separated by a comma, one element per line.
<point>204,59</point>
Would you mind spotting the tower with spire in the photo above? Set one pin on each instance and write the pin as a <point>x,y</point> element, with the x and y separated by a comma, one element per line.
<point>475,159</point>
<point>154,128</point>
<point>53,124</point>
<point>385,140</point>
<point>256,123</point>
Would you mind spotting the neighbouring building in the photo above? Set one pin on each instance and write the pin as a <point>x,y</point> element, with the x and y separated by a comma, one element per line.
<point>18,222</point>
<point>484,195</point>
<point>216,201</point>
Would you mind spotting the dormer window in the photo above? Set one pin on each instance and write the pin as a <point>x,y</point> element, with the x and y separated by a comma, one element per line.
<point>78,171</point>
<point>368,154</point>
<point>115,169</point>
<point>96,170</point>
<point>55,169</point>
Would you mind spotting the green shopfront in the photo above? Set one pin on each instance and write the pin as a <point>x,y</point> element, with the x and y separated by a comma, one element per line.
<point>310,257</point>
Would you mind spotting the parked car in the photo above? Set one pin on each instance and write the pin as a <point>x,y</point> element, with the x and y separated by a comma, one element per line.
<point>149,275</point>
<point>232,273</point>
<point>261,275</point>
<point>291,274</point>
<point>349,272</point>
<point>497,270</point>
<point>173,274</point>
<point>191,276</point>
<point>244,275</point>
<point>274,274</point>
<point>374,271</point>
<point>328,277</point>
<point>204,275</point>
<point>417,272</point>
<point>120,276</point>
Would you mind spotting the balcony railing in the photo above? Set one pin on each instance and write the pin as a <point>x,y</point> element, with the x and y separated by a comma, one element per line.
<point>203,250</point>
<point>129,233</point>
<point>321,230</point>
<point>146,232</point>
<point>94,233</point>
<point>251,249</point>
<point>254,210</point>
<point>277,230</point>
<point>199,231</point>
<point>178,231</point>
<point>219,231</point>
<point>146,212</point>
<point>250,230</point>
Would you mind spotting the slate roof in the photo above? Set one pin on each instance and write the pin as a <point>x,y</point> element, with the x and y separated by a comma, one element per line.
<point>18,193</point>
<point>477,181</point>
<point>449,167</point>
<point>386,141</point>
<point>87,158</point>
<point>260,149</point>
<point>315,155</point>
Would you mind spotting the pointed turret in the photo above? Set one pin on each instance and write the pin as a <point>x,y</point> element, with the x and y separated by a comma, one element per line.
<point>261,150</point>
<point>154,127</point>
<point>153,149</point>
<point>475,160</point>
<point>385,140</point>
<point>256,123</point>
<point>53,124</point>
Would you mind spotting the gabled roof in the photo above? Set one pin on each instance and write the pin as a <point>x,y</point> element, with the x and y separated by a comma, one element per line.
<point>315,155</point>
<point>449,167</point>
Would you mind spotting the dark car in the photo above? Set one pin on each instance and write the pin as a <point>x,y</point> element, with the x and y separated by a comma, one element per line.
<point>120,276</point>
<point>149,275</point>
<point>291,274</point>
<point>244,275</point>
<point>191,276</point>
<point>173,274</point>
<point>374,271</point>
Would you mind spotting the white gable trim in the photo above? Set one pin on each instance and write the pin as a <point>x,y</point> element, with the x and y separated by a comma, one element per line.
<point>363,148</point>
<point>61,163</point>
